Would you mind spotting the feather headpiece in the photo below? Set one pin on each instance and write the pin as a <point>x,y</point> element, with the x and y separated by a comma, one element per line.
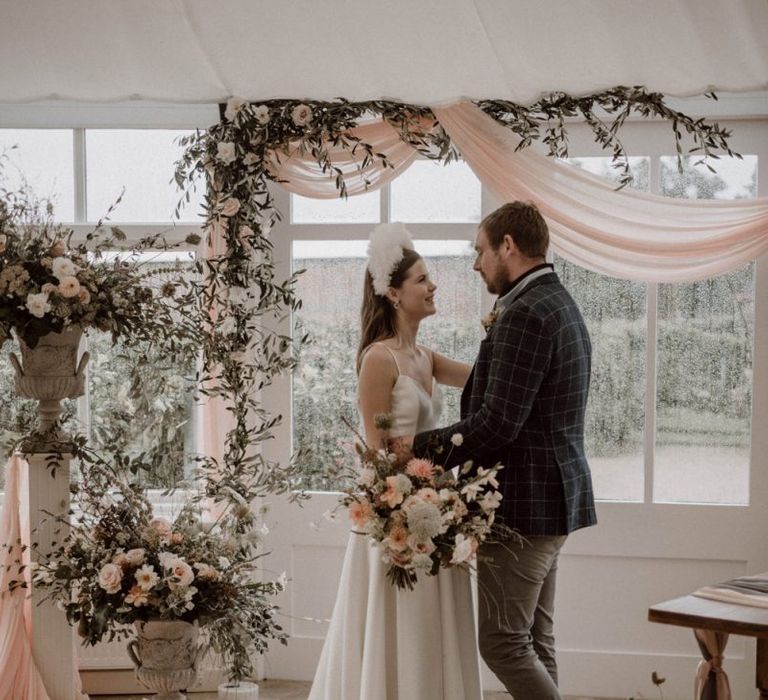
<point>385,251</point>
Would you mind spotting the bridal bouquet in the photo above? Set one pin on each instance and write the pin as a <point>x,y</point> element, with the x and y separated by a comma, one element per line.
<point>420,515</point>
<point>48,282</point>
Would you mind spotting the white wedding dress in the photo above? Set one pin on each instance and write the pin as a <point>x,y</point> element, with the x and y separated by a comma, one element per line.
<point>384,643</point>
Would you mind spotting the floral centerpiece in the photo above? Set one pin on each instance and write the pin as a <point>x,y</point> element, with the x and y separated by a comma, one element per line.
<point>49,282</point>
<point>422,516</point>
<point>119,565</point>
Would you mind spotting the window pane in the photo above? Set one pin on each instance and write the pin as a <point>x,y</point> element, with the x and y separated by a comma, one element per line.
<point>142,162</point>
<point>639,166</point>
<point>44,159</point>
<point>734,179</point>
<point>706,330</point>
<point>430,192</point>
<point>325,383</point>
<point>704,395</point>
<point>615,313</point>
<point>357,209</point>
<point>156,415</point>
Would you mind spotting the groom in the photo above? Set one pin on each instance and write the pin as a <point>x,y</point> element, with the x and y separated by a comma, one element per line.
<point>523,405</point>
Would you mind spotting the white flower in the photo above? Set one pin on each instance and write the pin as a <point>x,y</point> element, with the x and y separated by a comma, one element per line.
<point>146,577</point>
<point>366,478</point>
<point>229,325</point>
<point>457,439</point>
<point>385,250</point>
<point>234,106</point>
<point>224,563</point>
<point>63,267</point>
<point>470,491</point>
<point>230,206</point>
<point>262,114</point>
<point>464,548</point>
<point>301,115</point>
<point>167,559</point>
<point>282,581</point>
<point>135,556</point>
<point>490,501</point>
<point>110,578</point>
<point>424,520</point>
<point>69,287</point>
<point>487,476</point>
<point>226,152</point>
<point>37,304</point>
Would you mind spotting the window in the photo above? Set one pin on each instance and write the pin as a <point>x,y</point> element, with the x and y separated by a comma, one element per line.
<point>142,161</point>
<point>325,385</point>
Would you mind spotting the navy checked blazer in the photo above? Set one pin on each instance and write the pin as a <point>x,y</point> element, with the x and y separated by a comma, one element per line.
<point>523,405</point>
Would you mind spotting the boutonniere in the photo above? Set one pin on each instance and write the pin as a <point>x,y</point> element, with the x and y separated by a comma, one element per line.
<point>490,318</point>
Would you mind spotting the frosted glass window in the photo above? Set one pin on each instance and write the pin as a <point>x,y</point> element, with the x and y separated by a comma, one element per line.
<point>141,161</point>
<point>430,192</point>
<point>639,166</point>
<point>357,209</point>
<point>325,383</point>
<point>734,178</point>
<point>705,345</point>
<point>156,418</point>
<point>43,158</point>
<point>615,313</point>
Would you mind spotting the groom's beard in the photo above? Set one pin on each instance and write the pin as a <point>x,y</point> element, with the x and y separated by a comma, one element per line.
<point>499,284</point>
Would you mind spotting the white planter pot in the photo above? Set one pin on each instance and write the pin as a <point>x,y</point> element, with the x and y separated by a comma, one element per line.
<point>165,652</point>
<point>50,372</point>
<point>242,691</point>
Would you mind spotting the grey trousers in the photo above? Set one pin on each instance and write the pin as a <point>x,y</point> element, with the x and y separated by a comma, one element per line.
<point>516,601</point>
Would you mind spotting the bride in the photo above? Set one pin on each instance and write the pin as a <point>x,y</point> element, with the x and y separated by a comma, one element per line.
<point>384,643</point>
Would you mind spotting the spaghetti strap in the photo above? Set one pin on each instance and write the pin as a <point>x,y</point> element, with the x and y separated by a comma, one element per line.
<point>389,350</point>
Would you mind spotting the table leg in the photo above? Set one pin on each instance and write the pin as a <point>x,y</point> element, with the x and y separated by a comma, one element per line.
<point>762,666</point>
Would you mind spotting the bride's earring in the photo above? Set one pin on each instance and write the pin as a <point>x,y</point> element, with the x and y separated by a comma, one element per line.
<point>396,305</point>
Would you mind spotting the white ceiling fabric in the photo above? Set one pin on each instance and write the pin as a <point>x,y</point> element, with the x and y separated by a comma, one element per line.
<point>421,51</point>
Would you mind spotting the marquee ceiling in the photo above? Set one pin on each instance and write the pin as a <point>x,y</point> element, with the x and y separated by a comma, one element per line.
<point>423,51</point>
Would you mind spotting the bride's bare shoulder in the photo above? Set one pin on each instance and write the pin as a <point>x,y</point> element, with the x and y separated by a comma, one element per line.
<point>378,360</point>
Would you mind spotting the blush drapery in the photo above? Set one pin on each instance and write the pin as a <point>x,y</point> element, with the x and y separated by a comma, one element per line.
<point>711,679</point>
<point>19,677</point>
<point>625,233</point>
<point>300,173</point>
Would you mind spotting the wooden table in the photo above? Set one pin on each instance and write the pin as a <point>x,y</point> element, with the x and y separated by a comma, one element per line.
<point>701,613</point>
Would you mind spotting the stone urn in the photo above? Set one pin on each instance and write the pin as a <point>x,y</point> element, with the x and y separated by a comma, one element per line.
<point>165,652</point>
<point>50,372</point>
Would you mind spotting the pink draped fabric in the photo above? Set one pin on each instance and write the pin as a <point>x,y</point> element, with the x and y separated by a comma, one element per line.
<point>623,233</point>
<point>301,173</point>
<point>711,679</point>
<point>19,677</point>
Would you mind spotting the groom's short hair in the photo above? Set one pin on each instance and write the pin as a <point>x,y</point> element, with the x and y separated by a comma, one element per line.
<point>521,220</point>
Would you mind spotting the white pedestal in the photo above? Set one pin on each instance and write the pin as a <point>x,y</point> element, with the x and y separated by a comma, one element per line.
<point>243,691</point>
<point>52,637</point>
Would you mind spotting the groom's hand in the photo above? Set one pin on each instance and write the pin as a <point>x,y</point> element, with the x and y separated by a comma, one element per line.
<point>402,446</point>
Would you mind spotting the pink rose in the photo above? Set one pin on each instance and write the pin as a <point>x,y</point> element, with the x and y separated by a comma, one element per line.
<point>301,115</point>
<point>161,526</point>
<point>49,288</point>
<point>181,574</point>
<point>84,296</point>
<point>397,539</point>
<point>135,556</point>
<point>110,578</point>
<point>69,287</point>
<point>429,495</point>
<point>205,572</point>
<point>177,538</point>
<point>360,512</point>
<point>230,207</point>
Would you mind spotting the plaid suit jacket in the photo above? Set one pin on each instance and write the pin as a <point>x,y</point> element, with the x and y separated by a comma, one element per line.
<point>523,405</point>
